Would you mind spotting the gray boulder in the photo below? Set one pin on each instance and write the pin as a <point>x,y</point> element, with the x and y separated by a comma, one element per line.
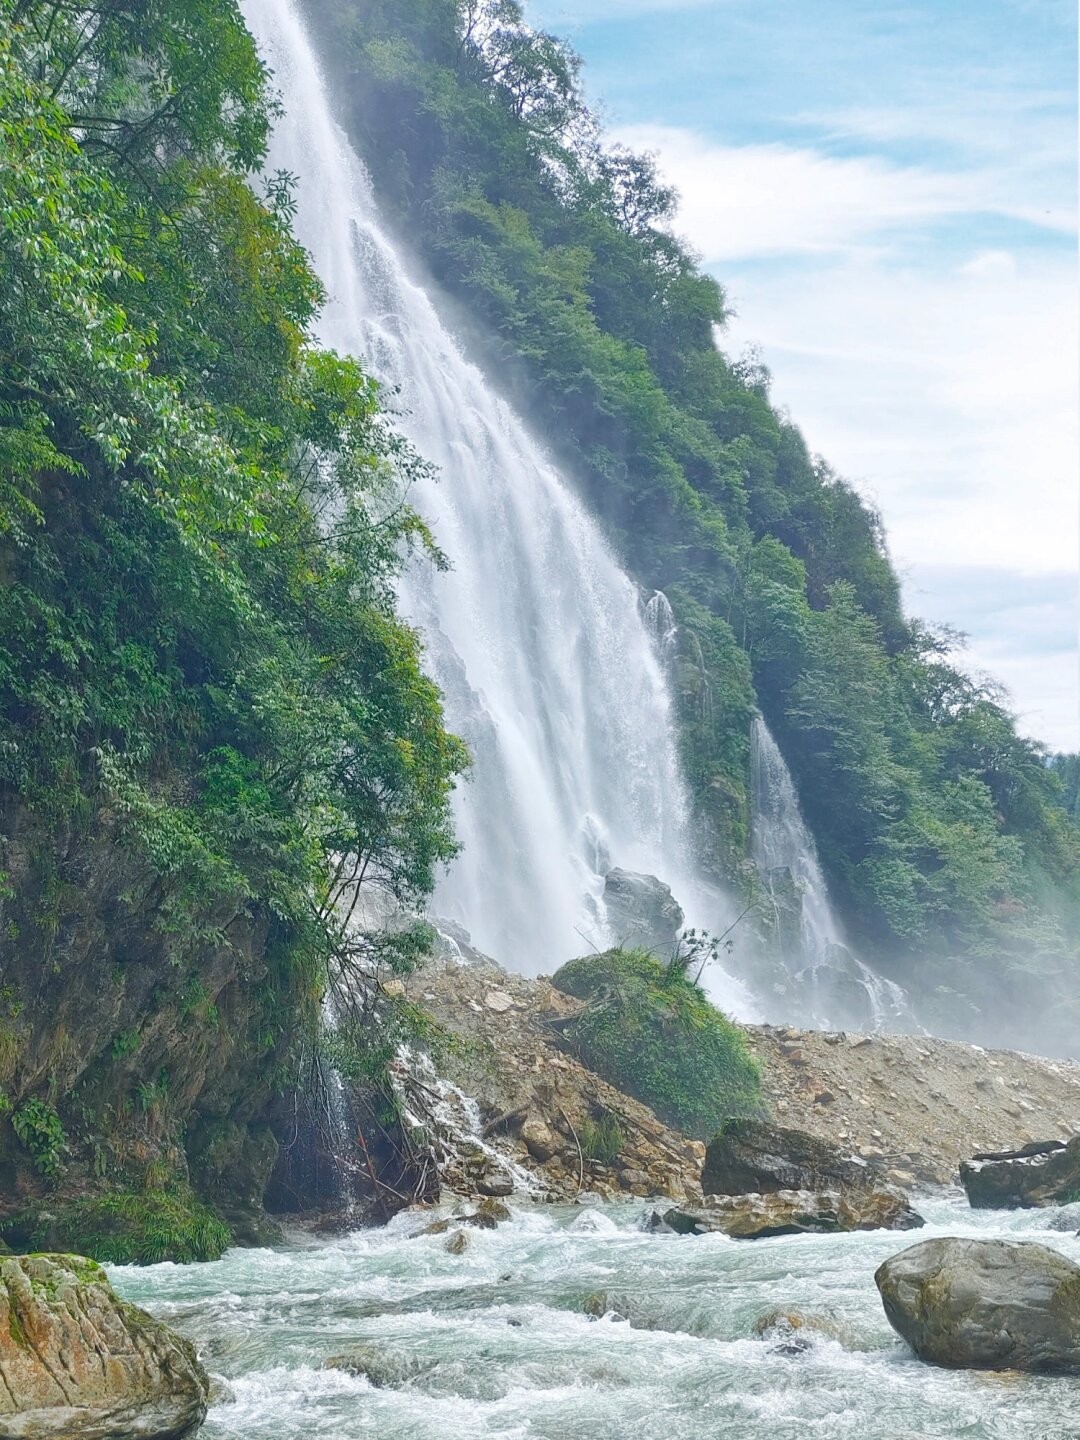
<point>753,1157</point>
<point>642,912</point>
<point>985,1305</point>
<point>77,1363</point>
<point>796,1212</point>
<point>1038,1175</point>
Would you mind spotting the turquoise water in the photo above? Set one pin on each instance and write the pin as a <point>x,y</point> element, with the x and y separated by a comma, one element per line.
<point>497,1341</point>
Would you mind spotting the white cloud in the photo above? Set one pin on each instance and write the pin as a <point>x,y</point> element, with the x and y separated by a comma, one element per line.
<point>754,201</point>
<point>950,396</point>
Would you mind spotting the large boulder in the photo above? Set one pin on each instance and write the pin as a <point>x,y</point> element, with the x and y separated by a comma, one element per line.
<point>1037,1175</point>
<point>985,1305</point>
<point>796,1212</point>
<point>753,1157</point>
<point>642,913</point>
<point>77,1363</point>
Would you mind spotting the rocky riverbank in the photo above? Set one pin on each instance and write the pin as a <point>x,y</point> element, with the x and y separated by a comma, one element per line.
<point>912,1107</point>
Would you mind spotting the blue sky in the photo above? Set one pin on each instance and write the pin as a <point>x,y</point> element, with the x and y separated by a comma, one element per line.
<point>888,193</point>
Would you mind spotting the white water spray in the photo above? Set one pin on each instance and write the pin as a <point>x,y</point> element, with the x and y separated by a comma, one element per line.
<point>536,637</point>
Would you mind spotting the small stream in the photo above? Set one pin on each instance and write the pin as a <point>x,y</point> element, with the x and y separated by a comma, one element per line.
<point>496,1342</point>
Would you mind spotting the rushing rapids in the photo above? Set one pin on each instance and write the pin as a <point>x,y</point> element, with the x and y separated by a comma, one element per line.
<point>499,1340</point>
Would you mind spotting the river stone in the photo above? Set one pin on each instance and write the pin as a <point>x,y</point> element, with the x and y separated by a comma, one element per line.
<point>750,1157</point>
<point>642,912</point>
<point>1038,1175</point>
<point>791,1332</point>
<point>77,1363</point>
<point>381,1368</point>
<point>796,1212</point>
<point>985,1305</point>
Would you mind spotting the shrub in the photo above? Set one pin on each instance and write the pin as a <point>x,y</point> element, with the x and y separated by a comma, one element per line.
<point>652,1031</point>
<point>602,1140</point>
<point>38,1127</point>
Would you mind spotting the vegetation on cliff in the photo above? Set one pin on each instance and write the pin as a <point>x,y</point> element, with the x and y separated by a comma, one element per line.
<point>939,826</point>
<point>213,726</point>
<point>650,1030</point>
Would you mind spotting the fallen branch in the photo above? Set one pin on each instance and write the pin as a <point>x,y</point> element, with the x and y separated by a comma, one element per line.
<point>577,1142</point>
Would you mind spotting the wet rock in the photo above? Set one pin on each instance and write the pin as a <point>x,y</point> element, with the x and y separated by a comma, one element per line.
<point>486,1216</point>
<point>495,1183</point>
<point>796,1212</point>
<point>596,1304</point>
<point>985,1304</point>
<point>458,1242</point>
<point>753,1157</point>
<point>489,1213</point>
<point>1046,1173</point>
<point>381,1368</point>
<point>642,911</point>
<point>790,1332</point>
<point>1066,1220</point>
<point>655,1224</point>
<point>77,1362</point>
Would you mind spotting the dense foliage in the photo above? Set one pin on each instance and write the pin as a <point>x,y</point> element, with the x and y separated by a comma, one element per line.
<point>651,1031</point>
<point>135,1229</point>
<point>939,826</point>
<point>201,669</point>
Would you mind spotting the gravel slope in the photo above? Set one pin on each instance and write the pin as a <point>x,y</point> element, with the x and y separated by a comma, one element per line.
<point>912,1106</point>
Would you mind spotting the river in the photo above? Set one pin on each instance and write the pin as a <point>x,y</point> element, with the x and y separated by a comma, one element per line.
<point>496,1342</point>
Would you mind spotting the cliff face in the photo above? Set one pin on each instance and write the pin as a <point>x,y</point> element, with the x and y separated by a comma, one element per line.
<point>128,1064</point>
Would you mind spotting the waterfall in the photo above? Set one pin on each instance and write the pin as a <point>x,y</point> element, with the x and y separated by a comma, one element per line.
<point>537,639</point>
<point>660,623</point>
<point>824,979</point>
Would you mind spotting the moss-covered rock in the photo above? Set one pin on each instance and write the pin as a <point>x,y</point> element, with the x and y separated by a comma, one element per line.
<point>75,1361</point>
<point>649,1030</point>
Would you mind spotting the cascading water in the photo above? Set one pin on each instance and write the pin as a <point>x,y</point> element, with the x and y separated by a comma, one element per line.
<point>823,977</point>
<point>536,637</point>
